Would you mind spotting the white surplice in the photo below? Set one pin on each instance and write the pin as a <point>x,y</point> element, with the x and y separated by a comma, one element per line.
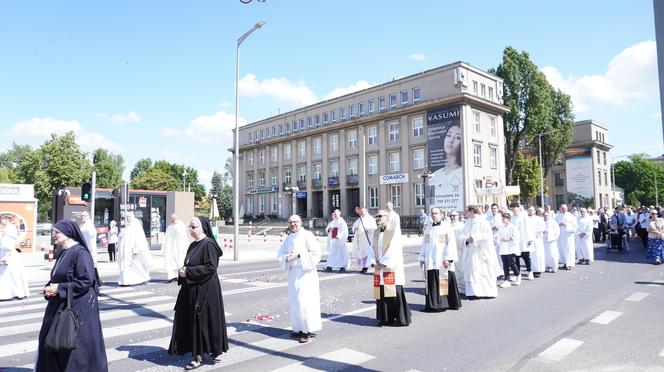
<point>538,257</point>
<point>438,244</point>
<point>584,245</point>
<point>133,255</point>
<point>338,256</point>
<point>364,228</point>
<point>459,265</point>
<point>13,282</point>
<point>303,286</point>
<point>508,238</point>
<point>174,248</point>
<point>390,253</point>
<point>481,265</point>
<point>90,234</point>
<point>550,240</point>
<point>566,244</point>
<point>526,232</point>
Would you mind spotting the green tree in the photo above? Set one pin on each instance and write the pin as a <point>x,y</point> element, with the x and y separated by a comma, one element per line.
<point>228,171</point>
<point>216,184</point>
<point>225,201</point>
<point>190,176</point>
<point>11,158</point>
<point>4,175</point>
<point>637,177</point>
<point>527,172</point>
<point>534,108</point>
<point>141,166</point>
<point>154,179</point>
<point>109,168</point>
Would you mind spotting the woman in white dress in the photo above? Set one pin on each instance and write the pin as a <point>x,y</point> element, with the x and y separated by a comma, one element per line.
<point>13,283</point>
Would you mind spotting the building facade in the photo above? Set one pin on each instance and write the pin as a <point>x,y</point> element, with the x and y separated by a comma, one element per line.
<point>583,177</point>
<point>370,147</point>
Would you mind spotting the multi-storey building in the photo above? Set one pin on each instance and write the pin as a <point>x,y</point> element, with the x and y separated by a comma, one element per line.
<point>373,146</point>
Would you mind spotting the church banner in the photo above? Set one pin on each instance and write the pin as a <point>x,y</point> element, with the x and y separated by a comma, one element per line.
<point>579,177</point>
<point>445,144</point>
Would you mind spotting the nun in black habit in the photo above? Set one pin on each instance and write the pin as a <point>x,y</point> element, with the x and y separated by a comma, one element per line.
<point>73,268</point>
<point>199,326</point>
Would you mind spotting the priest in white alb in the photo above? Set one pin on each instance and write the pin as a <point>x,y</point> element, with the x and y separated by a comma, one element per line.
<point>174,247</point>
<point>338,256</point>
<point>481,267</point>
<point>584,238</point>
<point>538,225</point>
<point>133,253</point>
<point>566,241</point>
<point>550,238</point>
<point>363,230</point>
<point>298,255</point>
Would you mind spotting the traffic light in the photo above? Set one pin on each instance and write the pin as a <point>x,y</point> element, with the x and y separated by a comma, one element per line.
<point>86,191</point>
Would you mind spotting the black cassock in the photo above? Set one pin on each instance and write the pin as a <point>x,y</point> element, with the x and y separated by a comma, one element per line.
<point>199,326</point>
<point>434,302</point>
<point>74,267</point>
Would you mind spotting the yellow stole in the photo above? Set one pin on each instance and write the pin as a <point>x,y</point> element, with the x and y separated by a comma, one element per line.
<point>389,280</point>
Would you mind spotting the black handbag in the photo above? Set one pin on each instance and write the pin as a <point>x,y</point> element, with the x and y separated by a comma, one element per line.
<point>63,333</point>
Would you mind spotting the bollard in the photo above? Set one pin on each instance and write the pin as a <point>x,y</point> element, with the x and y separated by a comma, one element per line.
<point>318,236</point>
<point>50,254</point>
<point>264,238</point>
<point>281,238</point>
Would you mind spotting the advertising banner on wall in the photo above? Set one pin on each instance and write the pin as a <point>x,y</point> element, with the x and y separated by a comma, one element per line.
<point>579,177</point>
<point>444,158</point>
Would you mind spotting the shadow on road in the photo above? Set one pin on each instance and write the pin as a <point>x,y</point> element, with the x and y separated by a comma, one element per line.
<point>636,253</point>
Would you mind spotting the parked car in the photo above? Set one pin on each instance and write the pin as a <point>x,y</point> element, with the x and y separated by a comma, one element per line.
<point>44,228</point>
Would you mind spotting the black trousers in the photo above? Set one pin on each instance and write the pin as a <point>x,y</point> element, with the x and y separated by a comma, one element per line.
<point>111,252</point>
<point>509,262</point>
<point>597,233</point>
<point>526,259</point>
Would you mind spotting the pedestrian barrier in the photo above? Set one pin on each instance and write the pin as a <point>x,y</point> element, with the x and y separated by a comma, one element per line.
<point>281,238</point>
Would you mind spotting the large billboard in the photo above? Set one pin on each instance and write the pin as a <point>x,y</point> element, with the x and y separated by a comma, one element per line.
<point>579,177</point>
<point>445,144</point>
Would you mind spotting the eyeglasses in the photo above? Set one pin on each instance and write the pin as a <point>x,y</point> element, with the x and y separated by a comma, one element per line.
<point>379,216</point>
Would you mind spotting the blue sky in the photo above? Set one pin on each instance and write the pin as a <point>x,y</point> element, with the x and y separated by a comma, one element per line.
<point>156,78</point>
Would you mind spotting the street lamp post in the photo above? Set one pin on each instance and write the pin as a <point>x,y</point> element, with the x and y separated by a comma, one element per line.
<point>425,178</point>
<point>236,148</point>
<point>293,190</point>
<point>613,179</point>
<point>541,164</point>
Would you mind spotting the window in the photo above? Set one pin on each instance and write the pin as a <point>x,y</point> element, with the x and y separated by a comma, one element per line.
<point>417,96</point>
<point>606,179</point>
<point>334,116</point>
<point>491,93</point>
<point>352,139</point>
<point>261,178</point>
<point>301,149</point>
<point>275,205</point>
<point>287,128</point>
<point>478,183</point>
<point>275,177</point>
<point>317,121</point>
<point>598,156</point>
<point>382,104</point>
<point>395,195</point>
<point>287,175</point>
<point>261,135</point>
<point>475,91</point>
<point>334,168</point>
<point>599,178</point>
<point>261,156</point>
<point>325,118</point>
<point>250,180</point>
<point>250,205</point>
<point>372,135</point>
<point>294,126</point>
<point>483,90</point>
<point>361,110</point>
<point>287,151</point>
<point>558,179</point>
<point>394,132</point>
<point>372,107</point>
<point>250,137</point>
<point>604,158</point>
<point>351,166</point>
<point>250,158</point>
<point>317,171</point>
<point>395,162</point>
<point>342,113</point>
<point>419,195</point>
<point>261,204</point>
<point>418,158</point>
<point>351,111</point>
<point>281,129</point>
<point>302,173</point>
<point>373,197</point>
<point>476,121</point>
<point>372,164</point>
<point>393,101</point>
<point>274,154</point>
<point>301,124</point>
<point>317,145</point>
<point>493,157</point>
<point>404,98</point>
<point>477,154</point>
<point>309,122</point>
<point>418,126</point>
<point>334,142</point>
<point>492,126</point>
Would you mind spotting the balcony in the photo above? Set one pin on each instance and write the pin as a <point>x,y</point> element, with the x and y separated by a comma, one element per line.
<point>285,185</point>
<point>333,181</point>
<point>352,179</point>
<point>302,185</point>
<point>317,183</point>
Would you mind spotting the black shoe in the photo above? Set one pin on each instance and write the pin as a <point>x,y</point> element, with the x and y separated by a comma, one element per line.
<point>328,269</point>
<point>342,270</point>
<point>364,270</point>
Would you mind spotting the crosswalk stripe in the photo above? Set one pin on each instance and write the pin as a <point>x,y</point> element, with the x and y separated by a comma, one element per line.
<point>560,349</point>
<point>43,304</point>
<point>39,297</point>
<point>637,296</point>
<point>333,361</point>
<point>606,317</point>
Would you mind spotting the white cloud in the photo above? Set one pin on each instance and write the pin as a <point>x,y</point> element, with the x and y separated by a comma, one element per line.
<point>131,117</point>
<point>278,88</point>
<point>170,132</point>
<point>225,104</point>
<point>631,75</point>
<point>205,178</point>
<point>37,130</point>
<point>360,85</point>
<point>418,57</point>
<point>217,128</point>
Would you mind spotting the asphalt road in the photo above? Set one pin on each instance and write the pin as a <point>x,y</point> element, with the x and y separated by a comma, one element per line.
<point>602,317</point>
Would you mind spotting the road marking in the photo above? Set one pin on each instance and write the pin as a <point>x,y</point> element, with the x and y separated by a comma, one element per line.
<point>637,296</point>
<point>662,353</point>
<point>232,280</point>
<point>103,300</point>
<point>560,349</point>
<point>333,361</point>
<point>40,298</point>
<point>606,317</point>
<point>251,272</point>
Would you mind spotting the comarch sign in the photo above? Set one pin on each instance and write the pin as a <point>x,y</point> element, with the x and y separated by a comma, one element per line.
<point>393,178</point>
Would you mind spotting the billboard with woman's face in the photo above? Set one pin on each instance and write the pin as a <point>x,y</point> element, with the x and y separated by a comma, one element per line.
<point>445,189</point>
